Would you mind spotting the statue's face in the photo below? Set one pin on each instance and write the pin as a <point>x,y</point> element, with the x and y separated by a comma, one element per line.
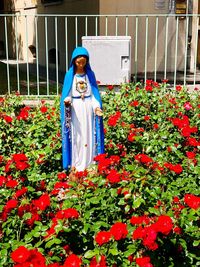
<point>80,63</point>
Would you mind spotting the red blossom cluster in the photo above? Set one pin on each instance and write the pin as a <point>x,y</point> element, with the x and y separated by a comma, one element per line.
<point>7,118</point>
<point>34,208</point>
<point>149,233</point>
<point>23,114</point>
<point>192,201</point>
<point>101,263</point>
<point>143,158</point>
<point>177,168</point>
<point>143,262</point>
<point>183,125</point>
<point>117,231</point>
<point>43,109</point>
<point>105,164</point>
<point>65,214</point>
<point>20,161</point>
<point>134,103</point>
<point>113,119</point>
<point>23,257</point>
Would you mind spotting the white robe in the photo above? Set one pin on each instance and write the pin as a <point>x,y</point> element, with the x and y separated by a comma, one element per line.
<point>82,125</point>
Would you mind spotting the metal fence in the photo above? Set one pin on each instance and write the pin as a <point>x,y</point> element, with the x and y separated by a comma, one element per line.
<point>35,50</point>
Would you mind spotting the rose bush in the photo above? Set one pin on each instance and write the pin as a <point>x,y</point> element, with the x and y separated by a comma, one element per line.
<point>140,207</point>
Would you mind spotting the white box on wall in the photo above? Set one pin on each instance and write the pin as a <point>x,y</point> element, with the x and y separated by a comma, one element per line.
<point>110,58</point>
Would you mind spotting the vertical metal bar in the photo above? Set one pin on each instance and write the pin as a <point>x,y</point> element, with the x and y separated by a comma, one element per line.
<point>86,26</point>
<point>186,49</point>
<point>176,51</point>
<point>187,7</point>
<point>66,44</point>
<point>126,25</point>
<point>7,62</point>
<point>146,48</point>
<point>56,39</point>
<point>76,30</point>
<point>47,58</point>
<point>37,56</point>
<point>27,63</point>
<point>136,47</point>
<point>116,25</point>
<point>106,26</point>
<point>96,26</point>
<point>17,49</point>
<point>156,49</point>
<point>195,53</point>
<point>166,44</point>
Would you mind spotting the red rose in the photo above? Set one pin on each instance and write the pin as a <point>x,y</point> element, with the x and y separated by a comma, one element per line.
<point>21,165</point>
<point>20,255</point>
<point>43,202</point>
<point>11,183</point>
<point>155,126</point>
<point>138,233</point>
<point>192,201</point>
<point>112,120</point>
<point>19,157</point>
<point>178,88</point>
<point>177,230</point>
<point>146,118</point>
<point>2,180</point>
<point>67,214</point>
<point>72,261</point>
<point>23,115</point>
<point>113,177</point>
<point>35,217</point>
<point>149,88</point>
<point>134,103</point>
<point>20,192</point>
<point>131,137</point>
<point>43,109</point>
<point>143,158</point>
<point>190,155</point>
<point>101,263</point>
<point>177,168</point>
<point>102,237</point>
<point>139,220</point>
<point>163,225</point>
<point>8,119</point>
<point>119,230</point>
<point>62,175</point>
<point>110,87</point>
<point>143,262</point>
<point>11,204</point>
<point>36,258</point>
<point>193,142</point>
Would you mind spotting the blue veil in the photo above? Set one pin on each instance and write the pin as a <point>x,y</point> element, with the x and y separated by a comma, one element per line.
<point>68,80</point>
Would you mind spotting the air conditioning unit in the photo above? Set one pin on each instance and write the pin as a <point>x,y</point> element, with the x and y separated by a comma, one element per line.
<point>110,58</point>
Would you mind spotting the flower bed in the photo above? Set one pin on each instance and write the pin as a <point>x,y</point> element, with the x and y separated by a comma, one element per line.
<point>139,208</point>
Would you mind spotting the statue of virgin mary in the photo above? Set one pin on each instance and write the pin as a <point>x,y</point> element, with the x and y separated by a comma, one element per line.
<point>81,114</point>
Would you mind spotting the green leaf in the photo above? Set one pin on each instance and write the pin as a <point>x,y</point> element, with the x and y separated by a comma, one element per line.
<point>90,253</point>
<point>113,251</point>
<point>52,242</point>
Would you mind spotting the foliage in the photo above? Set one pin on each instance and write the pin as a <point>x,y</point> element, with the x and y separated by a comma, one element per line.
<point>139,206</point>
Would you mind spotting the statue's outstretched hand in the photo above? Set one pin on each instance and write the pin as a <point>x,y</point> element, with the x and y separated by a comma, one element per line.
<point>99,112</point>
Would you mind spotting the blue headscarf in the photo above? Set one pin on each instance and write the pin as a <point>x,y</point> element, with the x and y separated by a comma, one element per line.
<point>68,80</point>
